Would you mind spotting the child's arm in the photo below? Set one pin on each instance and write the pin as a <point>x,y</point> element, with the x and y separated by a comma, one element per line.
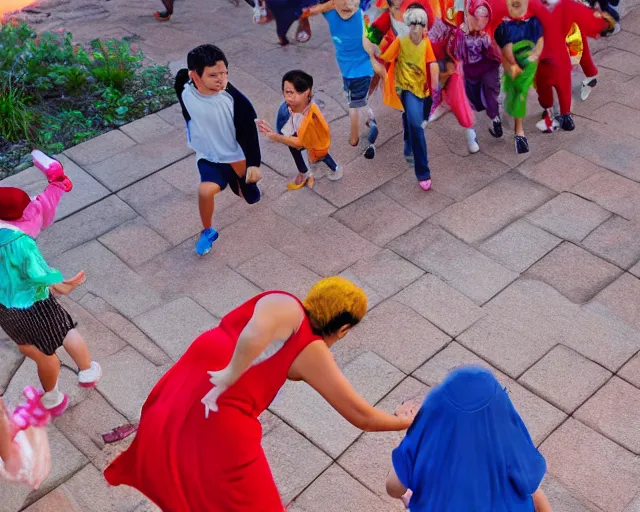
<point>265,129</point>
<point>541,502</point>
<point>318,9</point>
<point>68,285</point>
<point>41,212</point>
<point>537,50</point>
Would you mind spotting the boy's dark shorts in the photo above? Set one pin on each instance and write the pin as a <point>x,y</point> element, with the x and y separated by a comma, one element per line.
<point>223,175</point>
<point>357,90</point>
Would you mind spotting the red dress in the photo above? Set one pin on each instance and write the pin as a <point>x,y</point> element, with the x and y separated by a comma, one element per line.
<point>186,463</point>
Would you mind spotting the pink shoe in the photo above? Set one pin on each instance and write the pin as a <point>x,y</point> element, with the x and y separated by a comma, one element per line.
<point>425,184</point>
<point>60,408</point>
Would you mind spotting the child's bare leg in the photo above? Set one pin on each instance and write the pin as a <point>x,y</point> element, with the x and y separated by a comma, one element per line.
<point>206,201</point>
<point>354,136</point>
<point>76,347</point>
<point>519,127</point>
<point>48,366</point>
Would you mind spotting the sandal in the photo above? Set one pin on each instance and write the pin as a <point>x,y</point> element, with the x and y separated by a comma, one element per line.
<point>119,433</point>
<point>307,179</point>
<point>303,34</point>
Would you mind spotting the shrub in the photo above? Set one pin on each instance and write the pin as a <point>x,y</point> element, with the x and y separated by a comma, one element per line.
<point>54,93</point>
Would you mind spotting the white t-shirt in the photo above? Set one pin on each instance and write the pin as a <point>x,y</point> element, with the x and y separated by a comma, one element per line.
<point>211,132</point>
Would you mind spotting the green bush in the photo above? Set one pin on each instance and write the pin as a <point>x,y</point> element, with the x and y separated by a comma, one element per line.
<point>54,93</point>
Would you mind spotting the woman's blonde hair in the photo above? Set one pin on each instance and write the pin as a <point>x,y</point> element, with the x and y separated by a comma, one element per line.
<point>334,302</point>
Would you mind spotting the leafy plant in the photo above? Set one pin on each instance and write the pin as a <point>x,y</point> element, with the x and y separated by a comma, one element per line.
<point>55,93</point>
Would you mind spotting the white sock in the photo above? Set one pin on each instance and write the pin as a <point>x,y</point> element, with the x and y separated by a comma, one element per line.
<point>52,398</point>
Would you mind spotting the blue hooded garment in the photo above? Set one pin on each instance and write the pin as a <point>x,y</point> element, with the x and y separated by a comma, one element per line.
<point>468,449</point>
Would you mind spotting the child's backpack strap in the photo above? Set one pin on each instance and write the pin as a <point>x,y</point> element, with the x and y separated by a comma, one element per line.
<point>182,78</point>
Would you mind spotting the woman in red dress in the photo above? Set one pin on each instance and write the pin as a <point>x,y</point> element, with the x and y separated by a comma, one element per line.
<point>188,456</point>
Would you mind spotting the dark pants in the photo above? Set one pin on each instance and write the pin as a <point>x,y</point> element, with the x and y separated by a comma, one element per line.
<point>483,92</point>
<point>414,115</point>
<point>302,166</point>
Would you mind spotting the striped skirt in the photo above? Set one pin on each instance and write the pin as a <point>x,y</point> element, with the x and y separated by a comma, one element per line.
<point>43,325</point>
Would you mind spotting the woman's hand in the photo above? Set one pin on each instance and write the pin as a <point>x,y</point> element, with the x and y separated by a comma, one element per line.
<point>408,409</point>
<point>222,380</point>
<point>67,286</point>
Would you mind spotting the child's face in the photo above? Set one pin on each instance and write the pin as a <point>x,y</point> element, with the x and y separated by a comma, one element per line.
<point>517,8</point>
<point>214,78</point>
<point>416,32</point>
<point>479,20</point>
<point>296,101</point>
<point>346,8</point>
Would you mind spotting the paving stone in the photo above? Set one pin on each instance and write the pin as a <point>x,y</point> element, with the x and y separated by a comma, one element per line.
<point>126,167</point>
<point>625,62</point>
<point>100,341</point>
<point>127,380</point>
<point>615,412</point>
<point>631,371</point>
<point>492,208</point>
<point>58,499</point>
<point>562,500</point>
<point>404,191</point>
<point>336,491</point>
<point>569,216</point>
<point>459,177</point>
<point>621,298</point>
<point>574,272</point>
<point>565,378</point>
<point>99,148</point>
<point>161,204</point>
<point>147,243</point>
<point>634,506</point>
<point>175,325</point>
<point>441,304</point>
<point>327,247</point>
<point>360,177</point>
<point>377,217</point>
<point>385,272</point>
<point>173,116</point>
<point>10,360</point>
<point>85,423</point>
<point>540,417</point>
<point>125,329</point>
<point>622,117</point>
<point>147,128</point>
<point>397,333</point>
<point>108,278</point>
<point>84,226</point>
<point>147,506</point>
<point>184,176</point>
<point>561,171</point>
<point>590,465</point>
<point>180,272</point>
<point>529,318</point>
<point>519,245</point>
<point>273,270</point>
<point>302,207</point>
<point>65,461</point>
<point>615,150</point>
<point>14,497</point>
<point>613,192</point>
<point>369,458</point>
<point>306,411</point>
<point>458,264</point>
<point>93,494</point>
<point>616,240</point>
<point>294,461</point>
<point>374,297</point>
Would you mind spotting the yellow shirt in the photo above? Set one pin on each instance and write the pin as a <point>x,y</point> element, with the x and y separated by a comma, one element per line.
<point>411,61</point>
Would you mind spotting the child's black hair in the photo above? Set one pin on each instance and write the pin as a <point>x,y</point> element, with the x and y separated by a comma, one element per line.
<point>204,56</point>
<point>300,80</point>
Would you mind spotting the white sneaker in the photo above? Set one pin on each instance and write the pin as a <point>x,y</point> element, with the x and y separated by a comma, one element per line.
<point>335,175</point>
<point>472,141</point>
<point>587,85</point>
<point>91,376</point>
<point>440,110</point>
<point>616,29</point>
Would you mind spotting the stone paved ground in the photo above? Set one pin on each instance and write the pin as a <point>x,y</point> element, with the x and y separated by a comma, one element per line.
<point>528,265</point>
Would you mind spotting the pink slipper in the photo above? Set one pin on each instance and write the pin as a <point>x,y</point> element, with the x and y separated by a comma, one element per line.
<point>60,408</point>
<point>119,433</point>
<point>425,184</point>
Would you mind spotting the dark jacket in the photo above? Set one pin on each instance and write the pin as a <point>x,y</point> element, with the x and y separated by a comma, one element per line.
<point>244,116</point>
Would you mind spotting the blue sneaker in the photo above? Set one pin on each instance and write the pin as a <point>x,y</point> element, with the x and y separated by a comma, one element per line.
<point>206,240</point>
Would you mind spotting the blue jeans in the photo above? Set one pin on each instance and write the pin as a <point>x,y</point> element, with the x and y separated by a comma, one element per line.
<point>302,166</point>
<point>414,114</point>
